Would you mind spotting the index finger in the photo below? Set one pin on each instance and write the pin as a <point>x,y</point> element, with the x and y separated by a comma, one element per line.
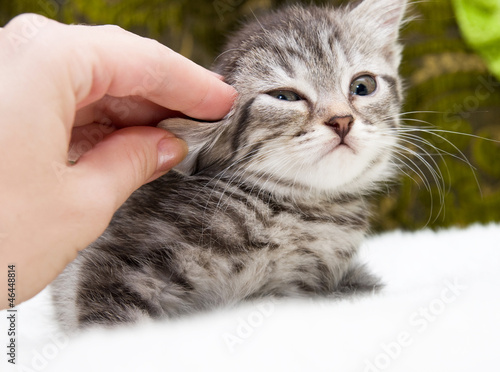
<point>88,62</point>
<point>143,67</point>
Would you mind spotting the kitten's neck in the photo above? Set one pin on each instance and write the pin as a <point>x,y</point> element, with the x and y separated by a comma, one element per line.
<point>278,192</point>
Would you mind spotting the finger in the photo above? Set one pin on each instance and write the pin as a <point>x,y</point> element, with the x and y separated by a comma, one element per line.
<point>122,112</point>
<point>153,72</point>
<point>123,161</point>
<point>89,62</point>
<point>85,137</point>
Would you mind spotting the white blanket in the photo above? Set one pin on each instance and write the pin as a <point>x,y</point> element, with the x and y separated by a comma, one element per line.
<point>439,311</point>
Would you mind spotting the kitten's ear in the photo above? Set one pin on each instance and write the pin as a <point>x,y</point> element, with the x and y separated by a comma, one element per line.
<point>383,17</point>
<point>196,134</point>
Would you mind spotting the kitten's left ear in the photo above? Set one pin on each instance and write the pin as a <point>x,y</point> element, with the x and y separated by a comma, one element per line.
<point>196,134</point>
<point>382,17</point>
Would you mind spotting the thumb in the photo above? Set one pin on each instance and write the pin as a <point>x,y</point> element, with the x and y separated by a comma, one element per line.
<point>124,161</point>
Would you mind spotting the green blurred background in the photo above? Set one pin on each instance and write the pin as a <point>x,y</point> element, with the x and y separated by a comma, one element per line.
<point>449,72</point>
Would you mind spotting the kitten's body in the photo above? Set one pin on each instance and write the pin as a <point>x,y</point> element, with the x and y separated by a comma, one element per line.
<point>270,200</point>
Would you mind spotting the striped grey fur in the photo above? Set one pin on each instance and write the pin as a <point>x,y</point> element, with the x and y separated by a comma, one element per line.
<point>270,200</point>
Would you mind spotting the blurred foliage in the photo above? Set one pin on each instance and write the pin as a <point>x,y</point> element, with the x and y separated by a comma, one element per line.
<point>448,87</point>
<point>455,93</point>
<point>479,22</point>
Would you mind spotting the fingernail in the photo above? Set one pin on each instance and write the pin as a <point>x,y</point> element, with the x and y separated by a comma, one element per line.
<point>171,151</point>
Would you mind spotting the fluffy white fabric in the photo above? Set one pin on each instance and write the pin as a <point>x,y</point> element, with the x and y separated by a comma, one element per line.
<point>440,311</point>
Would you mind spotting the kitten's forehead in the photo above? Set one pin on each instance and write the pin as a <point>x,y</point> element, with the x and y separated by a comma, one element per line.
<point>315,45</point>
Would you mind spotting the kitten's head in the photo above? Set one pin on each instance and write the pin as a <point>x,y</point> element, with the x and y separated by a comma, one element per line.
<point>319,96</point>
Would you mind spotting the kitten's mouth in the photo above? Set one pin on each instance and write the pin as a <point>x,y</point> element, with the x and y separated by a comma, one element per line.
<point>345,142</point>
<point>341,147</point>
<point>344,145</point>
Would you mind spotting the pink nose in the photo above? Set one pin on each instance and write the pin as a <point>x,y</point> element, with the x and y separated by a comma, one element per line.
<point>341,125</point>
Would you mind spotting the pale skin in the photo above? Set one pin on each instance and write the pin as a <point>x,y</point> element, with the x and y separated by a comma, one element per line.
<point>60,84</point>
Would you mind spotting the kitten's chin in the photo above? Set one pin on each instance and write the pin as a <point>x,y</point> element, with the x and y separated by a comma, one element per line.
<point>345,169</point>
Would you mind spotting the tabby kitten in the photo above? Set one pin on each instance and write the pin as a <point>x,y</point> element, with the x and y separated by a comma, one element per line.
<point>270,200</point>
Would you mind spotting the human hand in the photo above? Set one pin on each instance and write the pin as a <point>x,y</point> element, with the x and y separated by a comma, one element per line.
<point>64,85</point>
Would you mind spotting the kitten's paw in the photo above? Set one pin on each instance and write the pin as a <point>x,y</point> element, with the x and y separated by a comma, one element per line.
<point>359,280</point>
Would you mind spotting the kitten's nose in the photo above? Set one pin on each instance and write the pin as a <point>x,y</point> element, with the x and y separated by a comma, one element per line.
<point>341,125</point>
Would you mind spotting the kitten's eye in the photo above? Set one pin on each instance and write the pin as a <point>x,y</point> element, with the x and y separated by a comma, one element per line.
<point>285,95</point>
<point>363,85</point>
